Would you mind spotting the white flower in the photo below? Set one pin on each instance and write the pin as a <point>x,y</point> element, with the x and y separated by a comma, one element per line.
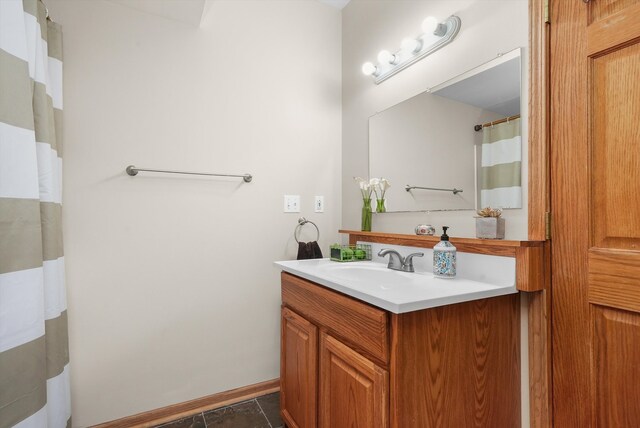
<point>380,186</point>
<point>375,185</point>
<point>384,185</point>
<point>365,187</point>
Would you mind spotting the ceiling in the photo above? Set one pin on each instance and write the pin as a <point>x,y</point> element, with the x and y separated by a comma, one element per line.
<point>189,11</point>
<point>496,89</point>
<point>340,4</point>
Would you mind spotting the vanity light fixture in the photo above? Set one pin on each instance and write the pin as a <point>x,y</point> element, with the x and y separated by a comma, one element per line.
<point>410,45</point>
<point>386,57</point>
<point>431,26</point>
<point>435,35</point>
<point>369,69</point>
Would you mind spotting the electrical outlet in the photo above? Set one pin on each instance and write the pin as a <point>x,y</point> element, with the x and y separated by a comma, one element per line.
<point>292,203</point>
<point>319,204</point>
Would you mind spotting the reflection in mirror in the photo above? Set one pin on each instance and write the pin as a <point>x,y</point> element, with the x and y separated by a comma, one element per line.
<point>462,135</point>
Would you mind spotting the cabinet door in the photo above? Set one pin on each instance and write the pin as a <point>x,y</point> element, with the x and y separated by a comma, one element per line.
<point>353,390</point>
<point>298,370</point>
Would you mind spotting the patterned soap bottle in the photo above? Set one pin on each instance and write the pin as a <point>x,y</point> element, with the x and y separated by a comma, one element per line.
<point>444,257</point>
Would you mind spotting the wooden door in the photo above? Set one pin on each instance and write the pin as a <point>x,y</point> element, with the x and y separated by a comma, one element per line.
<point>595,197</point>
<point>298,370</point>
<point>353,390</point>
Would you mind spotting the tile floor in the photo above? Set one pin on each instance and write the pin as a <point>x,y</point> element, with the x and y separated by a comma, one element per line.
<point>261,412</point>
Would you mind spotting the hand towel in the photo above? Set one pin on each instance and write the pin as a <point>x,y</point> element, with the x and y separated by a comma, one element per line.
<point>309,250</point>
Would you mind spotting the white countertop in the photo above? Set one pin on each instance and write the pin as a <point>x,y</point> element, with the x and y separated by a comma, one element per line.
<point>401,292</point>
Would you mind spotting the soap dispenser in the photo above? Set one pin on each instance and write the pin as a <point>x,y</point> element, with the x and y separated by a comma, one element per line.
<point>444,257</point>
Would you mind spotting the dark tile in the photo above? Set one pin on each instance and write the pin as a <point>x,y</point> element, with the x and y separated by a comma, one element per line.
<point>270,405</point>
<point>195,421</point>
<point>243,415</point>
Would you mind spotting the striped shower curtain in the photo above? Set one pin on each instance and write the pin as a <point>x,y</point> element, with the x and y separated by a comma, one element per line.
<point>500,177</point>
<point>34,356</point>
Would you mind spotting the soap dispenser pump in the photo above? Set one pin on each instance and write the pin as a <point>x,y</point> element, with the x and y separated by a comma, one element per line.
<point>444,257</point>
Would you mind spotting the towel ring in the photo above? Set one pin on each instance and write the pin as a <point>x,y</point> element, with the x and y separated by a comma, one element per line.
<point>301,222</point>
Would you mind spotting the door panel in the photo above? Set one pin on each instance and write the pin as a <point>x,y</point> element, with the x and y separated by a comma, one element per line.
<point>615,145</point>
<point>616,29</point>
<point>614,279</point>
<point>595,197</point>
<point>298,370</point>
<point>616,342</point>
<point>353,390</point>
<point>601,9</point>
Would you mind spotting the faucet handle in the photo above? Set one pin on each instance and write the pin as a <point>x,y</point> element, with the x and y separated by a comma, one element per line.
<point>408,261</point>
<point>396,261</point>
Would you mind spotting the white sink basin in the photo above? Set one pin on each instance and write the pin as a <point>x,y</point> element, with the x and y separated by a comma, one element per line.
<point>397,291</point>
<point>367,274</point>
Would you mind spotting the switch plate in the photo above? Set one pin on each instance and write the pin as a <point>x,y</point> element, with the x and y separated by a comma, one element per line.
<point>318,206</point>
<point>292,203</point>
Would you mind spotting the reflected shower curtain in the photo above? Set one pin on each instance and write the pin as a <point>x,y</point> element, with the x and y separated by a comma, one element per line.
<point>34,356</point>
<point>501,175</point>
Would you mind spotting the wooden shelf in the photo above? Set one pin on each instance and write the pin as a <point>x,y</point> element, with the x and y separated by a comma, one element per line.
<point>496,247</point>
<point>529,254</point>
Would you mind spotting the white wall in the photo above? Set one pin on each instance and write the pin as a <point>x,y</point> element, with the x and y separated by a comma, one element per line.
<point>489,27</point>
<point>172,293</point>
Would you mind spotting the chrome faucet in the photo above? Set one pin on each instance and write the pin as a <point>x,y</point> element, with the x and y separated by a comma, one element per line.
<point>397,262</point>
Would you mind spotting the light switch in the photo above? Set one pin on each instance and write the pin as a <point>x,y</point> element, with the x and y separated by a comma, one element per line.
<point>319,204</point>
<point>292,203</point>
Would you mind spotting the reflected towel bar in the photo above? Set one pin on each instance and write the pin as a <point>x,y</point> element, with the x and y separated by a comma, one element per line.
<point>132,171</point>
<point>454,190</point>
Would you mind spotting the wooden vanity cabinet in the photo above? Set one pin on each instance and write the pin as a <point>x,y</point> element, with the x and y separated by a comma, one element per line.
<point>334,358</point>
<point>347,363</point>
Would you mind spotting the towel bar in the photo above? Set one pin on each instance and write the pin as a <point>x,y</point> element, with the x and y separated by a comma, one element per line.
<point>133,171</point>
<point>301,222</point>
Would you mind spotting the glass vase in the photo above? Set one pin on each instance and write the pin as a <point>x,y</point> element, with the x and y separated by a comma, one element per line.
<point>380,208</point>
<point>366,215</point>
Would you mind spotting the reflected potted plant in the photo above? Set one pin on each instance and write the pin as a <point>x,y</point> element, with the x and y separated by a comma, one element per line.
<point>490,224</point>
<point>380,186</point>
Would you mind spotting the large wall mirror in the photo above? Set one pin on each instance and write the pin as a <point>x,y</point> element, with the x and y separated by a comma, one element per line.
<point>456,146</point>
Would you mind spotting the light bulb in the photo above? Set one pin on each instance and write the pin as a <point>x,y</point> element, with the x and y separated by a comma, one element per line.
<point>429,25</point>
<point>410,45</point>
<point>369,69</point>
<point>386,57</point>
